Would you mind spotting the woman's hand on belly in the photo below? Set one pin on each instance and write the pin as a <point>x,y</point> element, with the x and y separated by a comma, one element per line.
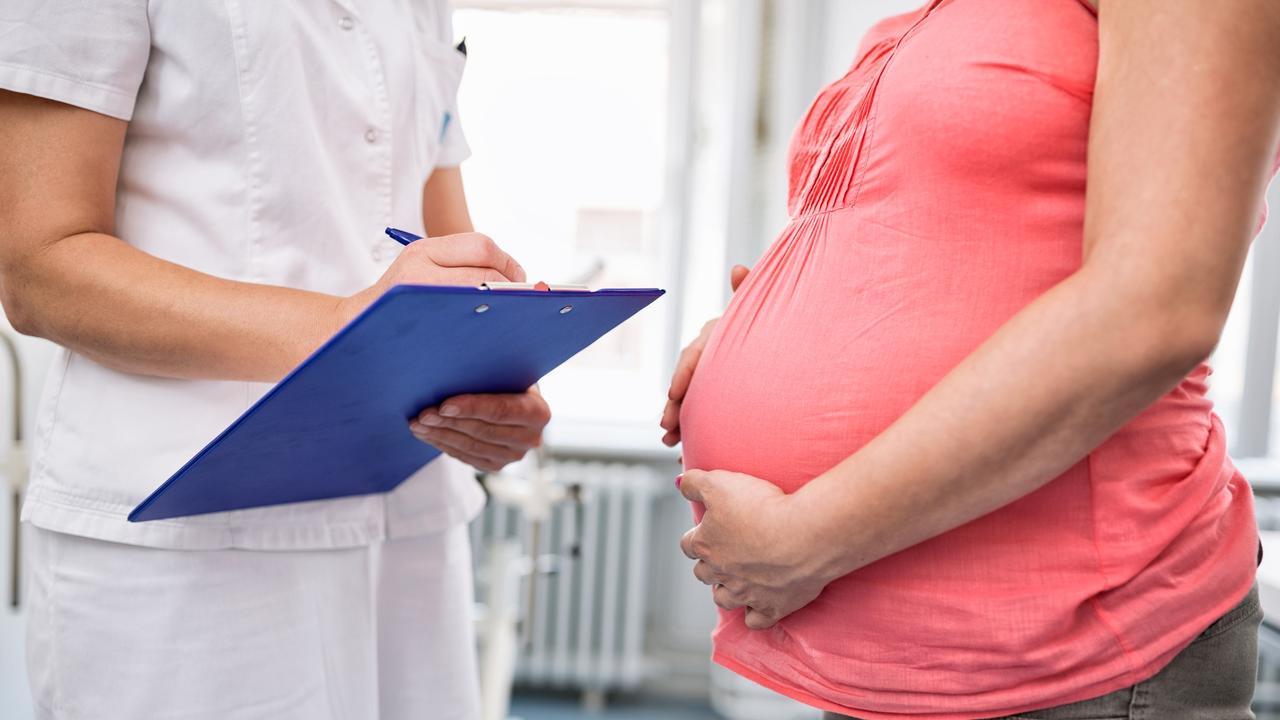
<point>752,546</point>
<point>685,366</point>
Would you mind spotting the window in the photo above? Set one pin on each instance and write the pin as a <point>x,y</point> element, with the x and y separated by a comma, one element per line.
<point>565,107</point>
<point>594,162</point>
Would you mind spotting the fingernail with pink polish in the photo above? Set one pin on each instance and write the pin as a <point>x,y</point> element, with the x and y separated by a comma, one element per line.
<point>678,479</point>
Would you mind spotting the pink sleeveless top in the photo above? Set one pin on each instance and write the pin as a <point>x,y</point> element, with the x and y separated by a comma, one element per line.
<point>935,190</point>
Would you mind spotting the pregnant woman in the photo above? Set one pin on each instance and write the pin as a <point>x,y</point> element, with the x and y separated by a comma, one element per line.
<point>949,446</point>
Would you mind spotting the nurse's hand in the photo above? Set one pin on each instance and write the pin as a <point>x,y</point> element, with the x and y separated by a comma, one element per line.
<point>462,259</point>
<point>685,366</point>
<point>487,432</point>
<point>753,546</point>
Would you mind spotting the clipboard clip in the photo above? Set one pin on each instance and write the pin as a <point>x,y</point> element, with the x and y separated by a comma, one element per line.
<point>542,286</point>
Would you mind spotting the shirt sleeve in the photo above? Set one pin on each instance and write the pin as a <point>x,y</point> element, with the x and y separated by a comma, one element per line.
<point>87,53</point>
<point>453,141</point>
<point>454,147</point>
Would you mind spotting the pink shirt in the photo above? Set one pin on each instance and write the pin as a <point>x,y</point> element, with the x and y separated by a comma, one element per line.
<point>935,190</point>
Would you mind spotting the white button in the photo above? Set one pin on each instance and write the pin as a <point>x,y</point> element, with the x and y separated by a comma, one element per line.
<point>346,23</point>
<point>371,135</point>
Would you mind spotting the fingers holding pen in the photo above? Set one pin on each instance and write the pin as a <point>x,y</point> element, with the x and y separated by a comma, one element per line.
<point>470,250</point>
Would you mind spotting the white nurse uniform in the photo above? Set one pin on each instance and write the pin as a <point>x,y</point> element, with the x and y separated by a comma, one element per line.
<point>268,142</point>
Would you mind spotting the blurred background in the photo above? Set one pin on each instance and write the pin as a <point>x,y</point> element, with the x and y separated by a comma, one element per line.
<point>641,142</point>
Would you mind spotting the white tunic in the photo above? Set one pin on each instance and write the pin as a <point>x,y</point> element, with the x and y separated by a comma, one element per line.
<point>268,142</point>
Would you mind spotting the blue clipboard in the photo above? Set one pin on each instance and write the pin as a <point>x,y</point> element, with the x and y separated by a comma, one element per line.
<point>338,424</point>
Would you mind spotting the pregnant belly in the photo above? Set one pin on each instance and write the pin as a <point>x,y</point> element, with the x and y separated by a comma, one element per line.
<point>837,332</point>
<point>830,340</point>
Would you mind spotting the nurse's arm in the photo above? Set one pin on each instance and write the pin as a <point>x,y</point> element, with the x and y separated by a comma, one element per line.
<point>444,203</point>
<point>1183,135</point>
<point>66,277</point>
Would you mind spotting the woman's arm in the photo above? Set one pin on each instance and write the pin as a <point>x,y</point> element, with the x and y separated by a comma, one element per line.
<point>65,276</point>
<point>1182,139</point>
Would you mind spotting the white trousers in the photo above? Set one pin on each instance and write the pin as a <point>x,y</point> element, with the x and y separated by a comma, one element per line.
<point>135,633</point>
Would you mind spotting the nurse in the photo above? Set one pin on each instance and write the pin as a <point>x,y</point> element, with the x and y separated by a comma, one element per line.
<point>191,199</point>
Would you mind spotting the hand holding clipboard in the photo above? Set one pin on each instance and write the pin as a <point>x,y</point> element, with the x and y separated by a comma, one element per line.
<point>413,347</point>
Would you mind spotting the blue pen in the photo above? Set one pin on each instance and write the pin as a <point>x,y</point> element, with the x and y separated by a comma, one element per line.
<point>404,237</point>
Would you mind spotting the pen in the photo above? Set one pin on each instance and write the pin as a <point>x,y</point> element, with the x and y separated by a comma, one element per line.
<point>404,237</point>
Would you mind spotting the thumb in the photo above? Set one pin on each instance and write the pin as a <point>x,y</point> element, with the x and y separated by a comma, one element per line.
<point>693,485</point>
<point>737,275</point>
<point>756,620</point>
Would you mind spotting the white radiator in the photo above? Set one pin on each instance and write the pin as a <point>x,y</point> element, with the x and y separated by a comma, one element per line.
<point>588,601</point>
